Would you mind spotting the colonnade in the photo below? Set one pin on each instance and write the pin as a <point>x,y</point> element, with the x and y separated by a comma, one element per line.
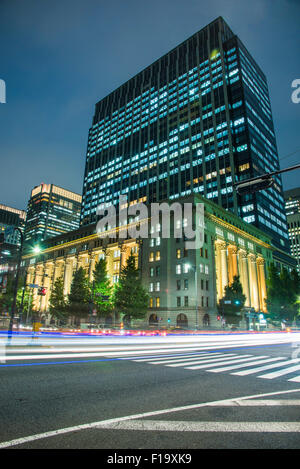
<point>45,273</point>
<point>231,261</point>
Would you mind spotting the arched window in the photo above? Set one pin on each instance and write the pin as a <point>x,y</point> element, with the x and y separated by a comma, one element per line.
<point>153,320</point>
<point>182,320</point>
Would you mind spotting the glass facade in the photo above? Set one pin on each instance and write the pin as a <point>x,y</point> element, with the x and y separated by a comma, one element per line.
<point>292,207</point>
<point>11,218</point>
<point>51,211</point>
<point>195,121</point>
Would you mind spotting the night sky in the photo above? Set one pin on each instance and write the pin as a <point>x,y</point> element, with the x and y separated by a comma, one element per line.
<point>59,57</point>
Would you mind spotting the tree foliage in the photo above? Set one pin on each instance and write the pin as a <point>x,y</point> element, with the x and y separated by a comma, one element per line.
<point>79,296</point>
<point>6,298</point>
<point>101,288</point>
<point>232,302</point>
<point>130,296</point>
<point>57,303</point>
<point>283,290</point>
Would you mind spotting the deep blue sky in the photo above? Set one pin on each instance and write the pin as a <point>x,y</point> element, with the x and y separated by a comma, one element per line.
<point>59,57</point>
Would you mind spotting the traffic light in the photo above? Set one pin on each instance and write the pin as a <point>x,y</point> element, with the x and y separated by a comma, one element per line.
<point>237,302</point>
<point>105,297</point>
<point>259,184</point>
<point>169,320</point>
<point>42,291</point>
<point>218,318</point>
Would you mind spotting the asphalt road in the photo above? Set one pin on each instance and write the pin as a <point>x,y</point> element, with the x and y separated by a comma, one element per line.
<point>151,393</point>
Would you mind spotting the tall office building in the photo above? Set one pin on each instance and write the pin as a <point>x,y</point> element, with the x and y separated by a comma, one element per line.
<point>195,121</point>
<point>11,218</point>
<point>52,210</point>
<point>292,208</point>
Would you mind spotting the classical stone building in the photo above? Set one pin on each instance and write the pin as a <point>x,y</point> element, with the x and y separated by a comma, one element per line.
<point>184,285</point>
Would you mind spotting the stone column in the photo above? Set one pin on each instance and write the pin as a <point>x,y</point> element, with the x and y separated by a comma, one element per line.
<point>253,282</point>
<point>38,280</point>
<point>244,277</point>
<point>68,275</point>
<point>92,258</point>
<point>57,270</point>
<point>218,271</point>
<point>235,271</point>
<point>224,267</point>
<point>49,267</point>
<point>232,262</point>
<point>30,275</point>
<point>262,283</point>
<point>109,262</point>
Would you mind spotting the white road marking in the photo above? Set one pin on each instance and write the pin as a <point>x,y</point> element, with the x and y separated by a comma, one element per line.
<point>285,371</point>
<point>93,354</point>
<point>182,356</point>
<point>76,428</point>
<point>264,402</point>
<point>295,380</point>
<point>209,360</point>
<point>262,368</point>
<point>191,426</point>
<point>187,361</point>
<point>258,361</point>
<point>228,362</point>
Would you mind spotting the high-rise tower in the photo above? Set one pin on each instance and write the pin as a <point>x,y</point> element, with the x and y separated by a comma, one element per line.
<point>52,210</point>
<point>195,121</point>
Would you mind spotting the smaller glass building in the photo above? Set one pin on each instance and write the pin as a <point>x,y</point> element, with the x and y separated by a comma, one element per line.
<point>292,208</point>
<point>52,210</point>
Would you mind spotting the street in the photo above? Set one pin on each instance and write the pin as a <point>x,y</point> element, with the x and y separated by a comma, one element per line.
<point>185,392</point>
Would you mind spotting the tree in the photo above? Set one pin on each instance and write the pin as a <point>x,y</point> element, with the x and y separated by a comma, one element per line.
<point>6,298</point>
<point>130,296</point>
<point>79,296</point>
<point>101,288</point>
<point>57,301</point>
<point>233,301</point>
<point>283,289</point>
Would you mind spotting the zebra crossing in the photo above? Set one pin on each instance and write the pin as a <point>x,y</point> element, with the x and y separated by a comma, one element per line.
<point>212,354</point>
<point>263,366</point>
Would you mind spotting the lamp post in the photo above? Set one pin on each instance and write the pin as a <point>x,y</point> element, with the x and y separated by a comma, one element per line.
<point>13,308</point>
<point>22,300</point>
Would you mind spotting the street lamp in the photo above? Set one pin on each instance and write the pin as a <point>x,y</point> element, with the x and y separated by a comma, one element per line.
<point>13,308</point>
